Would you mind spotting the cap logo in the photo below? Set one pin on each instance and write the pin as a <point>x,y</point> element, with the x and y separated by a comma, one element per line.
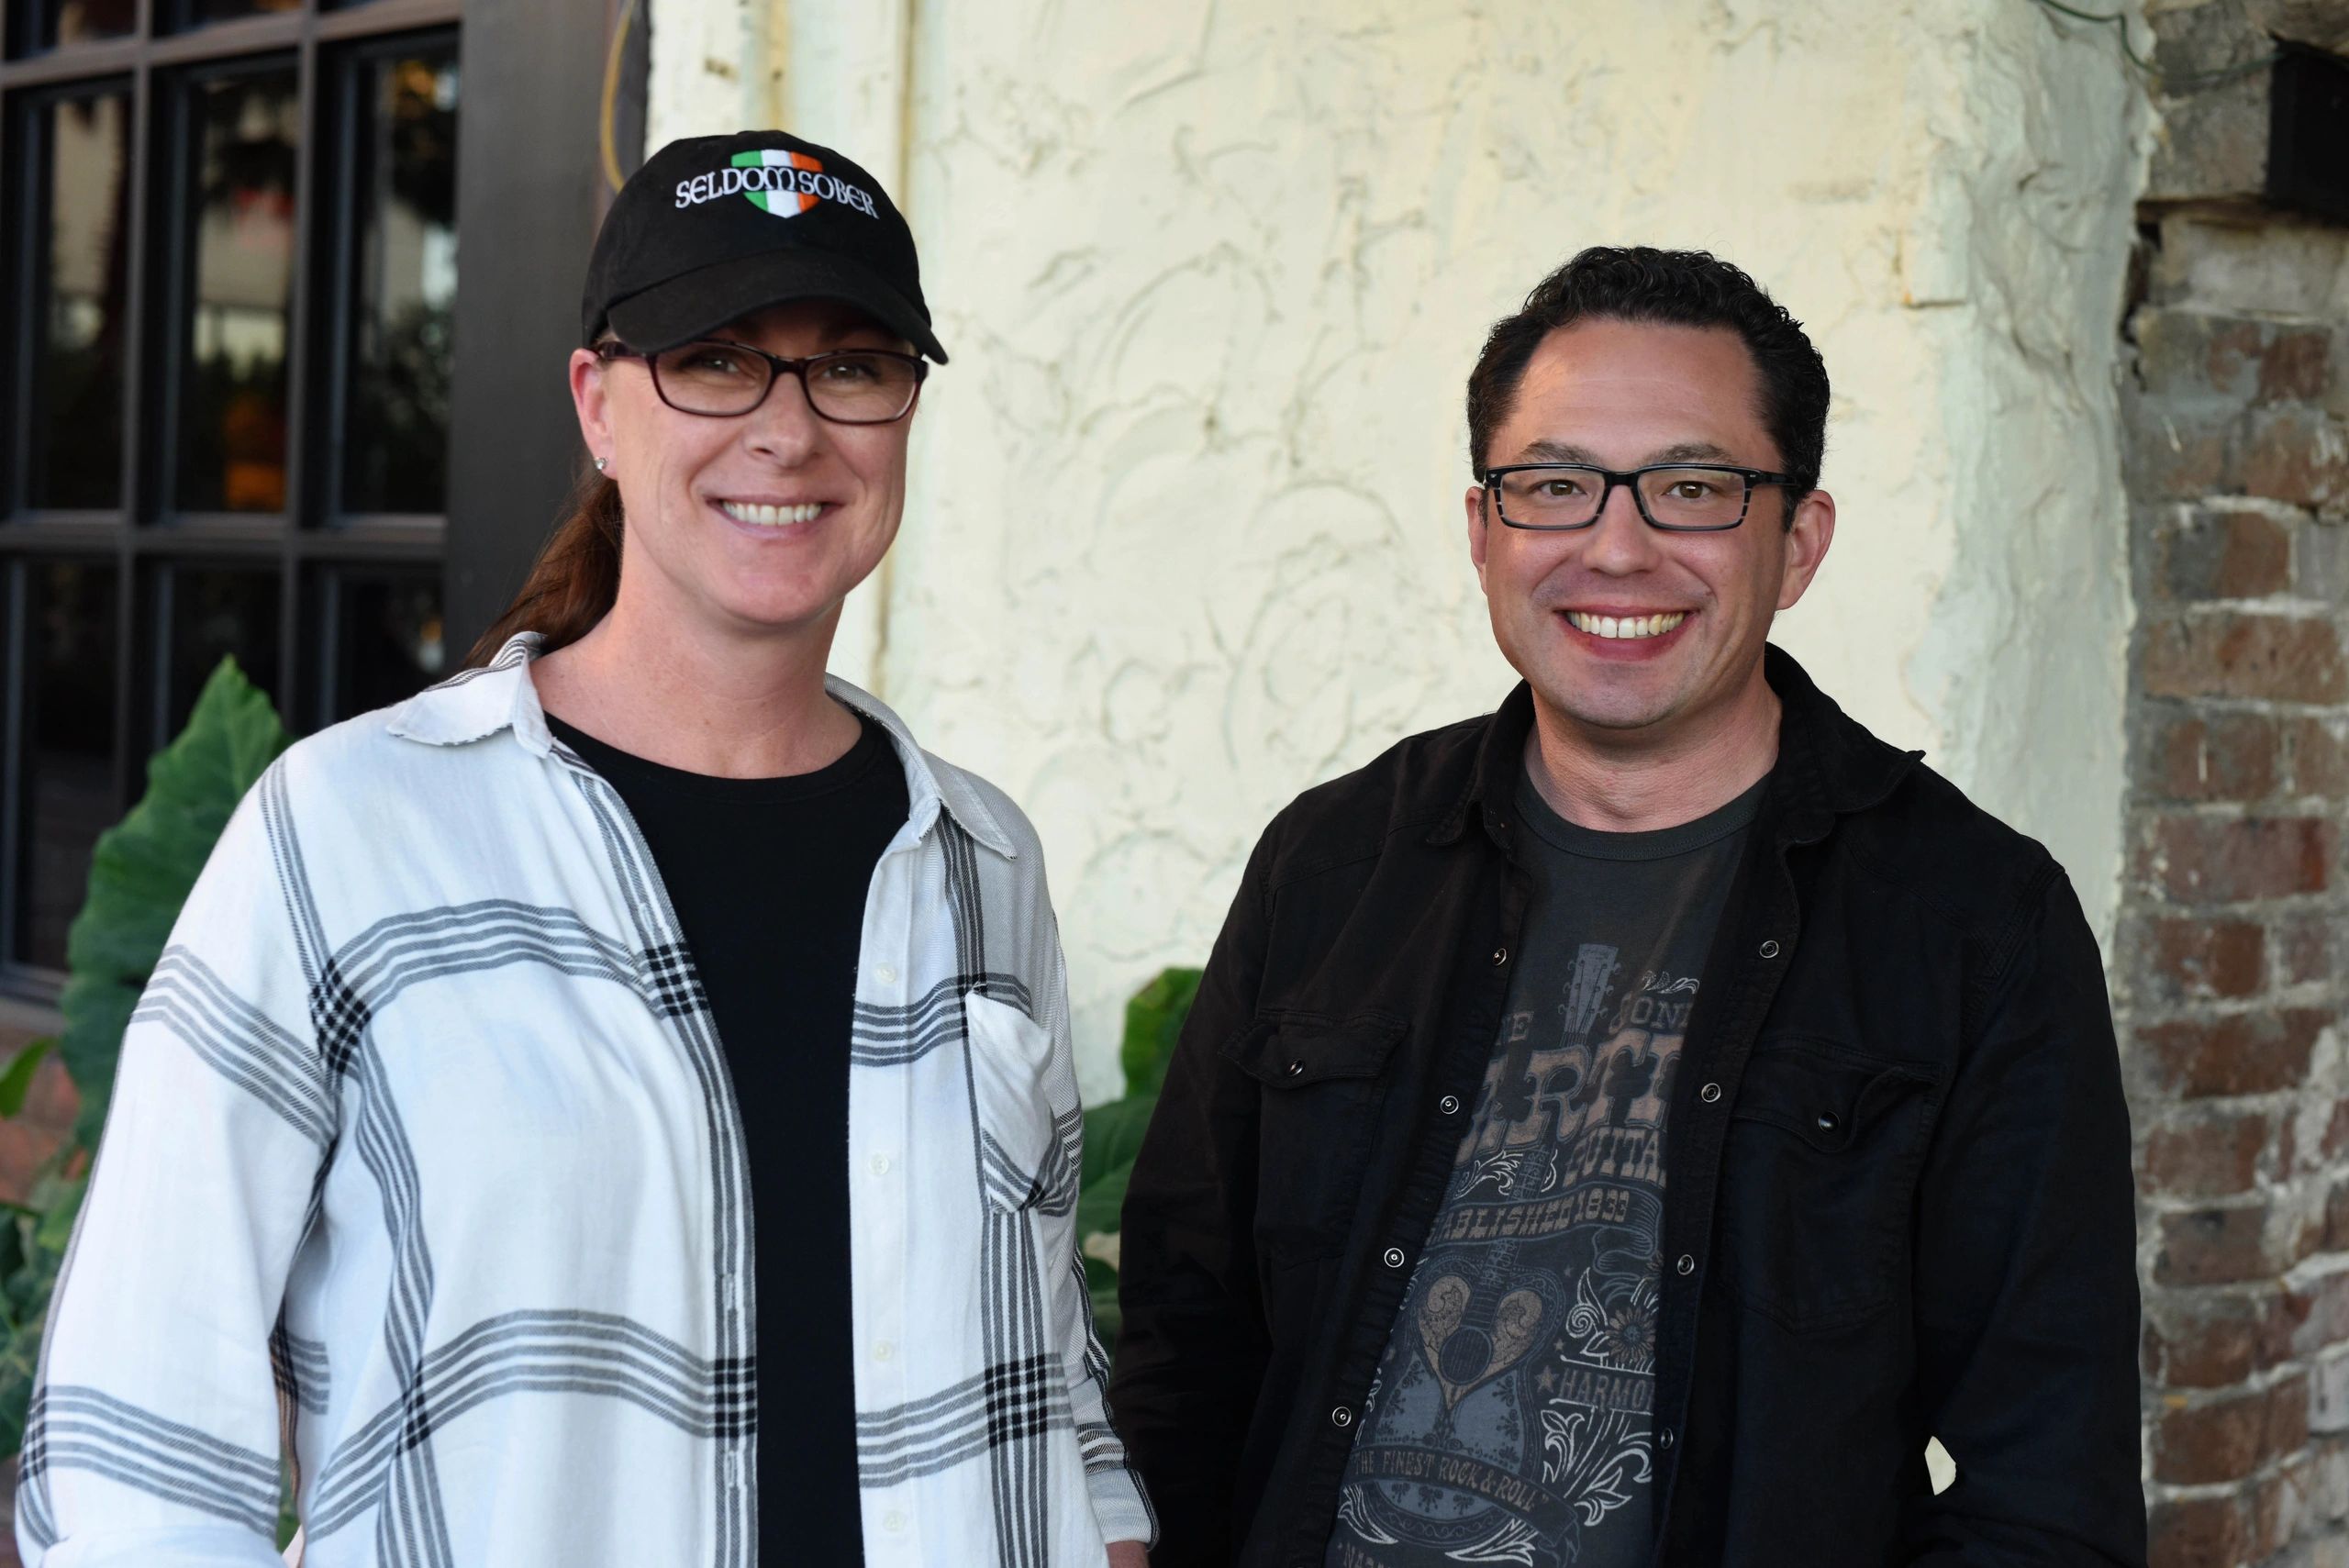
<point>779,183</point>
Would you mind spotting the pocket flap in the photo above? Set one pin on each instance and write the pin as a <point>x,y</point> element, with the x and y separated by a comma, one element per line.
<point>1819,1094</point>
<point>1285,1050</point>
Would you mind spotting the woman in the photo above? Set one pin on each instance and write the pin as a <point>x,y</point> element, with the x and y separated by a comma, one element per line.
<point>498,1020</point>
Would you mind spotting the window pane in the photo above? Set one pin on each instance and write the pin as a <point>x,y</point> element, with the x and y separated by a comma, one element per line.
<point>69,794</point>
<point>73,435</point>
<point>395,456</point>
<point>232,419</point>
<point>388,638</point>
<point>196,13</point>
<point>217,613</point>
<point>79,21</point>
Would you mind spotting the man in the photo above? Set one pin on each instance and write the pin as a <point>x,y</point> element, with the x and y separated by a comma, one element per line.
<point>1622,1129</point>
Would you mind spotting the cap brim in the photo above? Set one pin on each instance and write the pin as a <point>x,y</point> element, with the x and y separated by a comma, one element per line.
<point>694,304</point>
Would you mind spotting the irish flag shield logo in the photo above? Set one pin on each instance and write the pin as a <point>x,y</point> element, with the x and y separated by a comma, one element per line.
<point>784,196</point>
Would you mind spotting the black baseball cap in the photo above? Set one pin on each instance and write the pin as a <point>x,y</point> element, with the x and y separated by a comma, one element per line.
<point>713,227</point>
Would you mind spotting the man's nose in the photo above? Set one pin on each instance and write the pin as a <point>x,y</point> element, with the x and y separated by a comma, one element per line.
<point>1620,541</point>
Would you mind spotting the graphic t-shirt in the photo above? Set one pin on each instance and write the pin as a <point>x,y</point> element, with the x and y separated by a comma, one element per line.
<point>1510,1421</point>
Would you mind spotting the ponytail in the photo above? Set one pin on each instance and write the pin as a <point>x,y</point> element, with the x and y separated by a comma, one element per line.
<point>575,579</point>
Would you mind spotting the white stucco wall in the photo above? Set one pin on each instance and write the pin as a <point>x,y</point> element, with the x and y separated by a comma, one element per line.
<point>1184,535</point>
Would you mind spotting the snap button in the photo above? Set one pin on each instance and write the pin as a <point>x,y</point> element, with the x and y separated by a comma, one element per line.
<point>1769,950</point>
<point>1449,1104</point>
<point>1393,1256</point>
<point>1828,1121</point>
<point>1341,1416</point>
<point>1296,1069</point>
<point>1687,1264</point>
<point>1501,956</point>
<point>1664,1438</point>
<point>1709,1093</point>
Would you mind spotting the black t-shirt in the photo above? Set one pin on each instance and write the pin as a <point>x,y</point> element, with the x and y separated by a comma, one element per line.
<point>768,878</point>
<point>1510,1422</point>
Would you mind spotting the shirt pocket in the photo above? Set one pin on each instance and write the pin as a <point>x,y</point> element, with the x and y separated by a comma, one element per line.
<point>1818,1181</point>
<point>1321,1079</point>
<point>1028,1139</point>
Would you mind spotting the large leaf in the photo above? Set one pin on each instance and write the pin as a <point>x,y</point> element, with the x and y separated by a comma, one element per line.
<point>144,868</point>
<point>1154,1022</point>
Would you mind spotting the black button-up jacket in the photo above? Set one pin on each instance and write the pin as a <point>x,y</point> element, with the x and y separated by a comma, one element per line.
<point>1898,1198</point>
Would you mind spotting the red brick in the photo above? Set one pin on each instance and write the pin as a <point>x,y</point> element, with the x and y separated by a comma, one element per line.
<point>2210,1154</point>
<point>2185,462</point>
<point>2195,1532</point>
<point>2304,948</point>
<point>2293,365</point>
<point>2209,860</point>
<point>2318,1312</point>
<point>2197,959</point>
<point>2228,653</point>
<point>2217,1339</point>
<point>2242,1053</point>
<point>2223,1438</point>
<point>2320,759</point>
<point>2294,454</point>
<point>2214,1246</point>
<point>2280,1506</point>
<point>2227,756</point>
<point>2223,555</point>
<point>28,1139</point>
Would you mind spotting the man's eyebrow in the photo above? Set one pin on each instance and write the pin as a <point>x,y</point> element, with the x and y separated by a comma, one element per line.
<point>1546,451</point>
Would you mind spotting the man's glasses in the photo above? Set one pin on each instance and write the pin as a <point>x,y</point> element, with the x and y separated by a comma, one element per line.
<point>1678,497</point>
<point>851,387</point>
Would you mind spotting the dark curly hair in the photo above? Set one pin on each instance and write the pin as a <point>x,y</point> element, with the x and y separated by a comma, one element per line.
<point>1681,288</point>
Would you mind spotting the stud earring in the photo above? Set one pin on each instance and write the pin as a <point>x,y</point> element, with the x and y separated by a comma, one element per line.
<point>600,463</point>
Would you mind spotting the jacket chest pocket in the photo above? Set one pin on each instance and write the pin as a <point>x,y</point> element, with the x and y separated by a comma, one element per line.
<point>1817,1181</point>
<point>1320,1080</point>
<point>1027,1122</point>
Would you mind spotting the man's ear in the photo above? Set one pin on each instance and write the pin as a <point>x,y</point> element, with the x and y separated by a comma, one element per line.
<point>1477,514</point>
<point>1808,537</point>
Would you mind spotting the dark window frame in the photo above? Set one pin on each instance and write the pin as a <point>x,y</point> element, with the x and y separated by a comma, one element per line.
<point>145,537</point>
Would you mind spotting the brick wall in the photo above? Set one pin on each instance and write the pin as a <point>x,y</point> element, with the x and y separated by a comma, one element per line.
<point>2231,967</point>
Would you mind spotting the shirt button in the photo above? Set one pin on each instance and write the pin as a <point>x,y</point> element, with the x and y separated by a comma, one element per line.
<point>880,1164</point>
<point>1501,956</point>
<point>1769,950</point>
<point>892,1521</point>
<point>886,973</point>
<point>1687,1264</point>
<point>1709,1093</point>
<point>1393,1257</point>
<point>1449,1104</point>
<point>1296,1069</point>
<point>883,1349</point>
<point>1828,1121</point>
<point>1664,1438</point>
<point>1341,1416</point>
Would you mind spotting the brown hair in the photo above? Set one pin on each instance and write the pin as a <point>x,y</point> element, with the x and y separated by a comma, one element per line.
<point>575,579</point>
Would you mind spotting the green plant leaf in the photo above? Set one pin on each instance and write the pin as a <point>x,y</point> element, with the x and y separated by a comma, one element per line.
<point>1154,1022</point>
<point>1113,1136</point>
<point>143,867</point>
<point>17,1081</point>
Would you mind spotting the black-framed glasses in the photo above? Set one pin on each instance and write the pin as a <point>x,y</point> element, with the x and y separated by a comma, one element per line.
<point>1678,497</point>
<point>720,379</point>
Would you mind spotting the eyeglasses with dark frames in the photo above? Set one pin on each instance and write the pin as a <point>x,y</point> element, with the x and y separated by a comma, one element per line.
<point>721,379</point>
<point>1676,497</point>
